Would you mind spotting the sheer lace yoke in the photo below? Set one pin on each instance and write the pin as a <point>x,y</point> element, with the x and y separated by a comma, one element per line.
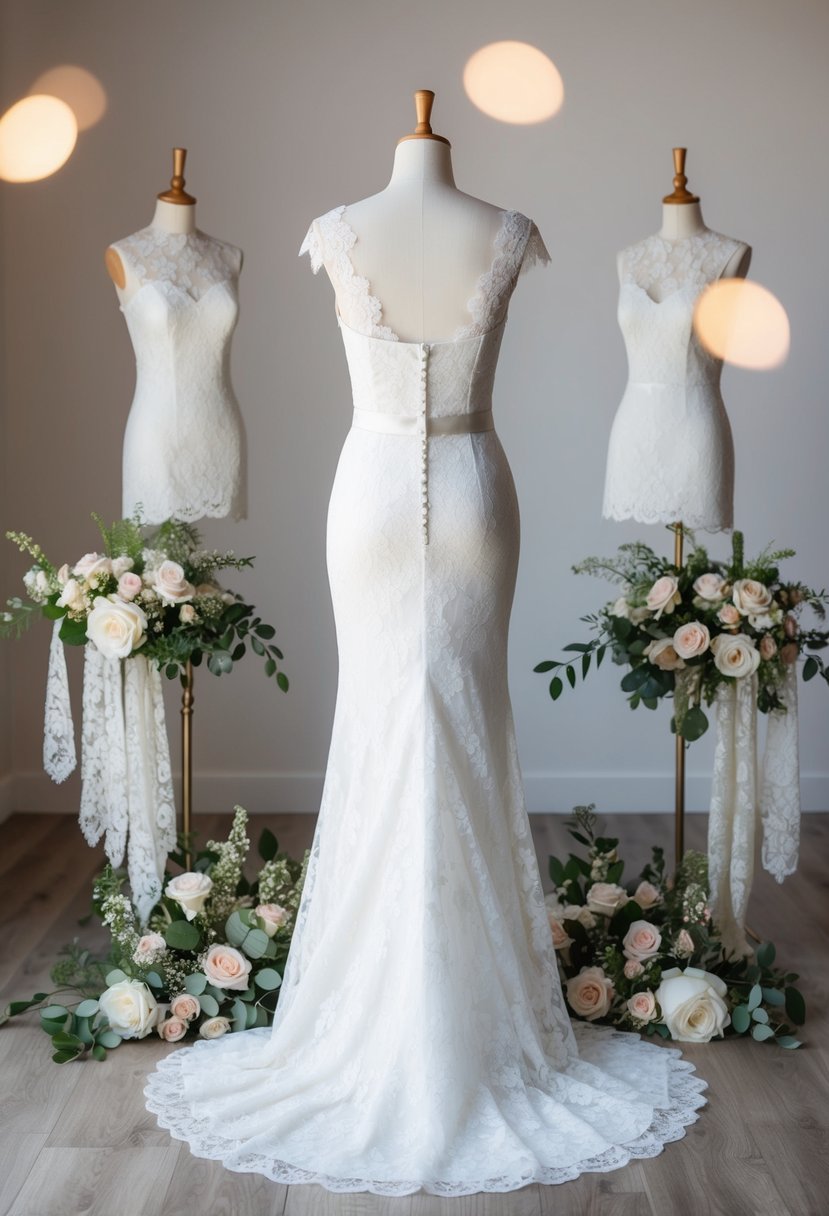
<point>516,247</point>
<point>188,264</point>
<point>661,268</point>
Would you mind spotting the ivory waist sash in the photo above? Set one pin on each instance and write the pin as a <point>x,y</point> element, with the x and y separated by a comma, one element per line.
<point>421,424</point>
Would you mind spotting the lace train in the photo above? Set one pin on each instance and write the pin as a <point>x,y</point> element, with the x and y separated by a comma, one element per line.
<point>617,1071</point>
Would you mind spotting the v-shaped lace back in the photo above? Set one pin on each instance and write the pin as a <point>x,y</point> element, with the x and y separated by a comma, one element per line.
<point>661,267</point>
<point>190,262</point>
<point>517,246</point>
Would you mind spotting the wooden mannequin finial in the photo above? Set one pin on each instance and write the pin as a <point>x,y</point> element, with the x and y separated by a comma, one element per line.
<point>680,194</point>
<point>424,98</point>
<point>177,193</point>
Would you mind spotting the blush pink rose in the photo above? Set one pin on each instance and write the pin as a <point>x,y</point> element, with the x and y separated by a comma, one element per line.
<point>274,916</point>
<point>664,595</point>
<point>633,969</point>
<point>691,640</point>
<point>171,585</point>
<point>561,938</point>
<point>642,1006</point>
<point>729,615</point>
<point>646,895</point>
<point>662,654</point>
<point>750,596</point>
<point>589,993</point>
<point>227,967</point>
<point>709,587</point>
<point>185,1006</point>
<point>129,585</point>
<point>790,627</point>
<point>768,647</point>
<point>684,944</point>
<point>789,653</point>
<point>606,897</point>
<point>172,1029</point>
<point>642,941</point>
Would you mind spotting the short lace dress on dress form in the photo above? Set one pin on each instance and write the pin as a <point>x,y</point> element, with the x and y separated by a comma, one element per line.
<point>184,451</point>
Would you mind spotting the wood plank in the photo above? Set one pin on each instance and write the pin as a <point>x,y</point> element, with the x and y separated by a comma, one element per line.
<point>18,1154</point>
<point>201,1188</point>
<point>97,1182</point>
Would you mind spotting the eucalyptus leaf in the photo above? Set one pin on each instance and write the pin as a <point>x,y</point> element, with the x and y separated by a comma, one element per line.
<point>54,1012</point>
<point>788,1040</point>
<point>759,1014</point>
<point>182,935</point>
<point>761,1032</point>
<point>115,977</point>
<point>99,1052</point>
<point>108,1038</point>
<point>255,944</point>
<point>268,978</point>
<point>773,996</point>
<point>765,954</point>
<point>196,983</point>
<point>740,1018</point>
<point>209,1004</point>
<point>754,997</point>
<point>795,1006</point>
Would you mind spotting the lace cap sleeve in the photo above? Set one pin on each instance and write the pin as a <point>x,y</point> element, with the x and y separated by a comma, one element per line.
<point>535,251</point>
<point>312,245</point>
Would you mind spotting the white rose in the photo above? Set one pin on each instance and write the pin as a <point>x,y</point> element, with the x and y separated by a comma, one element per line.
<point>579,912</point>
<point>214,1027</point>
<point>750,597</point>
<point>92,564</point>
<point>709,587</point>
<point>621,608</point>
<point>115,627</point>
<point>120,565</point>
<point>692,1004</point>
<point>190,890</point>
<point>735,655</point>
<point>606,897</point>
<point>63,575</point>
<point>273,915</point>
<point>171,585</point>
<point>226,967</point>
<point>72,596</point>
<point>130,1008</point>
<point>662,654</point>
<point>642,941</point>
<point>187,614</point>
<point>691,640</point>
<point>149,947</point>
<point>664,595</point>
<point>589,993</point>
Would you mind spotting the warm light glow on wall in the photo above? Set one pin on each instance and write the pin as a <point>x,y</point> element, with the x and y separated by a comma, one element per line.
<point>743,323</point>
<point>37,136</point>
<point>513,82</point>
<point>81,91</point>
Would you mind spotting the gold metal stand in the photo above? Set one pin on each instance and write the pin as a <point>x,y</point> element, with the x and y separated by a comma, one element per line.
<point>187,761</point>
<point>679,783</point>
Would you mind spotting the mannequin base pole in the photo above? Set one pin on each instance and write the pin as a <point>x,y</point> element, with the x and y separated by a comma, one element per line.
<point>187,761</point>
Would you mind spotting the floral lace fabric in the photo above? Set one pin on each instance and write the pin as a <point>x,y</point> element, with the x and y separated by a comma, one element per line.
<point>184,444</point>
<point>421,1039</point>
<point>671,452</point>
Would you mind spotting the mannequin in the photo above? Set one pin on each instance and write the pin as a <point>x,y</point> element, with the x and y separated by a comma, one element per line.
<point>425,231</point>
<point>178,289</point>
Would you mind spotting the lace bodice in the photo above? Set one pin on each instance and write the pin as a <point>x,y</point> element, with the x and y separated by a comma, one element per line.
<point>671,452</point>
<point>183,447</point>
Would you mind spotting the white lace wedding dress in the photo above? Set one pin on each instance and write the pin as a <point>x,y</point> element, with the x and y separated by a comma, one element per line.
<point>183,445</point>
<point>421,1038</point>
<point>671,453</point>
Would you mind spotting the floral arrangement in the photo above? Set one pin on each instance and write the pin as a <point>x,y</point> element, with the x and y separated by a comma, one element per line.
<point>686,631</point>
<point>151,594</point>
<point>647,957</point>
<point>210,962</point>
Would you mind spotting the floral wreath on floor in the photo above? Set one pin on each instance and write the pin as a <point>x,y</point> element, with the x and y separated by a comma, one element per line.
<point>648,957</point>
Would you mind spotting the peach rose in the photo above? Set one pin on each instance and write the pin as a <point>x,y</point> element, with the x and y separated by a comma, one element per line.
<point>684,944</point>
<point>274,916</point>
<point>691,640</point>
<point>214,1027</point>
<point>172,1029</point>
<point>589,993</point>
<point>735,655</point>
<point>790,627</point>
<point>149,948</point>
<point>642,941</point>
<point>664,596</point>
<point>749,596</point>
<point>662,654</point>
<point>633,969</point>
<point>171,585</point>
<point>561,938</point>
<point>129,585</point>
<point>606,897</point>
<point>767,647</point>
<point>646,895</point>
<point>729,615</point>
<point>709,587</point>
<point>187,614</point>
<point>642,1006</point>
<point>185,1006</point>
<point>789,653</point>
<point>226,967</point>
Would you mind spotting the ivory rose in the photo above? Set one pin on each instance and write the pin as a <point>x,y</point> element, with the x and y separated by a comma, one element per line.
<point>561,938</point>
<point>115,627</point>
<point>171,585</point>
<point>273,916</point>
<point>63,575</point>
<point>589,993</point>
<point>187,614</point>
<point>691,640</point>
<point>646,895</point>
<point>72,596</point>
<point>214,1027</point>
<point>190,891</point>
<point>185,1006</point>
<point>692,1004</point>
<point>120,565</point>
<point>729,615</point>
<point>172,1029</point>
<point>130,1008</point>
<point>149,948</point>
<point>684,944</point>
<point>92,564</point>
<point>606,897</point>
<point>735,655</point>
<point>129,585</point>
<point>642,1006</point>
<point>226,967</point>
<point>662,654</point>
<point>579,912</point>
<point>767,647</point>
<point>664,596</point>
<point>633,969</point>
<point>749,596</point>
<point>642,941</point>
<point>709,587</point>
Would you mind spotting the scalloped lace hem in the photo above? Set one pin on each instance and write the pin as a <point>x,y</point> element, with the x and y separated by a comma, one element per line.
<point>637,515</point>
<point>165,1099</point>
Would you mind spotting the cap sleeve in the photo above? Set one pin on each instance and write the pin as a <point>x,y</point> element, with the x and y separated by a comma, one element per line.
<point>535,251</point>
<point>312,245</point>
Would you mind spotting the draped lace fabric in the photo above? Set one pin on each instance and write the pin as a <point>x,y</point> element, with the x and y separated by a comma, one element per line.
<point>421,1039</point>
<point>671,453</point>
<point>740,802</point>
<point>184,446</point>
<point>59,755</point>
<point>127,786</point>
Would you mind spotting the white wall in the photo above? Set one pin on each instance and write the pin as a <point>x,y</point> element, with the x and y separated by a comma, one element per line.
<point>289,109</point>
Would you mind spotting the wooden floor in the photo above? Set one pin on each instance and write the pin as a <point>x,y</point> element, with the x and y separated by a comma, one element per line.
<point>77,1141</point>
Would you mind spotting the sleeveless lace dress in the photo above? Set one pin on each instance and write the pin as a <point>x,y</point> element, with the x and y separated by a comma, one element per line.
<point>671,454</point>
<point>183,446</point>
<point>421,1038</point>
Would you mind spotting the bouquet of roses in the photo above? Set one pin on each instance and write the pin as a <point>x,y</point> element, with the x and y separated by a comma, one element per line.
<point>154,595</point>
<point>648,957</point>
<point>209,963</point>
<point>685,631</point>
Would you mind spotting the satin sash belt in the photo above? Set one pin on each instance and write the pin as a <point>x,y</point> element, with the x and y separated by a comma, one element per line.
<point>420,424</point>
